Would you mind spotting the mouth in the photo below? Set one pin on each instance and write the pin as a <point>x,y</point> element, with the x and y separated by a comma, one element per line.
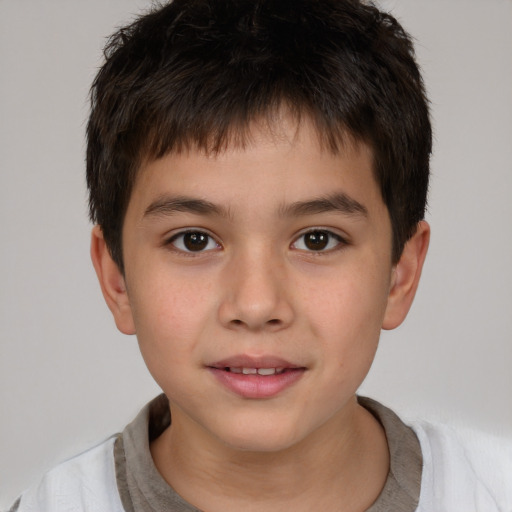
<point>255,371</point>
<point>256,378</point>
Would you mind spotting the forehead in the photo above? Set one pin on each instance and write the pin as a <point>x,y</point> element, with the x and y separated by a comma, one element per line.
<point>275,125</point>
<point>275,163</point>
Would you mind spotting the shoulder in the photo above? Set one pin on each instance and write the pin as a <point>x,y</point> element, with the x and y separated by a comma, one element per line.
<point>464,469</point>
<point>85,482</point>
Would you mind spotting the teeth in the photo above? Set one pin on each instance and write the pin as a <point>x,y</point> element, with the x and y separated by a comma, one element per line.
<point>258,371</point>
<point>266,371</point>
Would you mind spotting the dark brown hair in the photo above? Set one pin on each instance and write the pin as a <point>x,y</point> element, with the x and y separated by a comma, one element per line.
<point>198,72</point>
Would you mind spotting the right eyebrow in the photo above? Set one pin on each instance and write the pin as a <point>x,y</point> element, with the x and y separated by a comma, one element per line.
<point>169,205</point>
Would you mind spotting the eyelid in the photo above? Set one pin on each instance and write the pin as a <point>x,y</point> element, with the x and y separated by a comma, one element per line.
<point>171,238</point>
<point>341,239</point>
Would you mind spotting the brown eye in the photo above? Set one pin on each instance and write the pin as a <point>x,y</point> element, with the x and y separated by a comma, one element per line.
<point>193,241</point>
<point>317,240</point>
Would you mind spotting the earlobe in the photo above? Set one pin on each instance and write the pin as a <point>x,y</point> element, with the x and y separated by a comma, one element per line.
<point>112,283</point>
<point>406,277</point>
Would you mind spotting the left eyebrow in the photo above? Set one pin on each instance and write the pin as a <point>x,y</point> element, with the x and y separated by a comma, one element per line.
<point>338,202</point>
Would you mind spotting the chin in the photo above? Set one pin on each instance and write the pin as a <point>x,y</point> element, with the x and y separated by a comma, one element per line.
<point>268,438</point>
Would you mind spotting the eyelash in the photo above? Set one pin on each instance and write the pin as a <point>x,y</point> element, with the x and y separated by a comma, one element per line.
<point>184,250</point>
<point>340,241</point>
<point>202,235</point>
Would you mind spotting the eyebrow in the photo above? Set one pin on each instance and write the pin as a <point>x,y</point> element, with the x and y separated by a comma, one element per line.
<point>168,205</point>
<point>337,202</point>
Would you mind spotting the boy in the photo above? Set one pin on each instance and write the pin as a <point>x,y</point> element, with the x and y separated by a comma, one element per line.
<point>258,175</point>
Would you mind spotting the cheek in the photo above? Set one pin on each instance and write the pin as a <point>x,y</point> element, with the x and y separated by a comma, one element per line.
<point>349,331</point>
<point>170,316</point>
<point>347,308</point>
<point>345,315</point>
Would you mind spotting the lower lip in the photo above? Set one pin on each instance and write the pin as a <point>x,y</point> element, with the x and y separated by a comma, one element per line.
<point>258,386</point>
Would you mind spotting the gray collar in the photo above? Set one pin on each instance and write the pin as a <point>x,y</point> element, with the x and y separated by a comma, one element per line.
<point>142,488</point>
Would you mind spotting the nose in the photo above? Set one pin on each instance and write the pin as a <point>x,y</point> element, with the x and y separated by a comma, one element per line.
<point>256,292</point>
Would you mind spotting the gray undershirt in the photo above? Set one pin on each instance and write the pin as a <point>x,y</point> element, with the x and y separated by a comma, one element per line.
<point>143,489</point>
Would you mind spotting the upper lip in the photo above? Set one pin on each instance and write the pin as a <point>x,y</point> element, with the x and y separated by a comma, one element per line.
<point>246,361</point>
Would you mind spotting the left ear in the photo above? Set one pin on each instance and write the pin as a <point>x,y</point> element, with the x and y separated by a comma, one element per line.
<point>406,277</point>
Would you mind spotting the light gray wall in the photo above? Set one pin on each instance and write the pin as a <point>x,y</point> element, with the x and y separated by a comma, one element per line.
<point>68,379</point>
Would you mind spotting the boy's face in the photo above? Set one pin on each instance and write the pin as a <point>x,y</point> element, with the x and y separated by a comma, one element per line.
<point>275,257</point>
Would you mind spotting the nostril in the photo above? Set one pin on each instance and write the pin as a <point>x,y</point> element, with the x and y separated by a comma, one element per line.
<point>273,321</point>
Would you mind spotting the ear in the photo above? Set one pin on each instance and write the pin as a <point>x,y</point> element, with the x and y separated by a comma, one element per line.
<point>112,283</point>
<point>406,277</point>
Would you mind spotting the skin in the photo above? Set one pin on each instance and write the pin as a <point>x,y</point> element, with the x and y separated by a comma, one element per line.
<point>259,290</point>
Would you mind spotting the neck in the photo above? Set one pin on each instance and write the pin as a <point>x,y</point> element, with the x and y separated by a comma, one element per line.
<point>342,465</point>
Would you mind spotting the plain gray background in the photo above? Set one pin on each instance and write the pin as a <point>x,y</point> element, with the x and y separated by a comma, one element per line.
<point>68,379</point>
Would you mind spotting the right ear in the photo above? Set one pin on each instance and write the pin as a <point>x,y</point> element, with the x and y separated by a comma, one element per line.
<point>112,283</point>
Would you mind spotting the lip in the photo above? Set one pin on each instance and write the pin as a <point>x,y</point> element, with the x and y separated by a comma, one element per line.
<point>256,386</point>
